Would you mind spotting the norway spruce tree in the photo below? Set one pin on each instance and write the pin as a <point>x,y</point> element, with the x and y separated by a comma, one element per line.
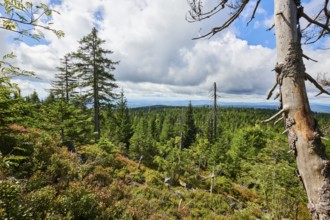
<point>123,131</point>
<point>95,72</point>
<point>65,81</point>
<point>190,130</point>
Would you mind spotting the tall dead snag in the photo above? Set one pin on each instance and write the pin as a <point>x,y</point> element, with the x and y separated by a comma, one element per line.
<point>215,111</point>
<point>303,133</point>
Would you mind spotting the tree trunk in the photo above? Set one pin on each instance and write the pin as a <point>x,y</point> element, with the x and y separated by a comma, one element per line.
<point>96,96</point>
<point>303,134</point>
<point>215,112</point>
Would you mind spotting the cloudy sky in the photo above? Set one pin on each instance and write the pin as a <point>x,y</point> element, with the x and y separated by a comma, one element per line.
<point>158,58</point>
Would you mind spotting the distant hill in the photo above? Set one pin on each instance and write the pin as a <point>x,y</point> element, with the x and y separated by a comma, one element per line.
<point>316,107</point>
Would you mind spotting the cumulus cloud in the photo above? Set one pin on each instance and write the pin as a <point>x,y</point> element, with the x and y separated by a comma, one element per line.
<point>152,41</point>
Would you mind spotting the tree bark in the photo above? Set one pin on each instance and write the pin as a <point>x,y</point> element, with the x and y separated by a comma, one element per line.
<point>303,133</point>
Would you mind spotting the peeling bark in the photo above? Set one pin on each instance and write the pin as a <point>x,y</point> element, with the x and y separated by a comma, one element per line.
<point>303,133</point>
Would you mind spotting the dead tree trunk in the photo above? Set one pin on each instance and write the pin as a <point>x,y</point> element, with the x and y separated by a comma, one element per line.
<point>303,134</point>
<point>215,112</point>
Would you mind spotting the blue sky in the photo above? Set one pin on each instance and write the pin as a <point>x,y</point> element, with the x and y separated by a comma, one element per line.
<point>158,59</point>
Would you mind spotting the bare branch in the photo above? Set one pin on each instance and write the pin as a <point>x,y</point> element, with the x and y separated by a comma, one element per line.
<point>324,26</point>
<point>285,131</point>
<point>226,24</point>
<point>254,12</point>
<point>271,91</point>
<point>316,84</point>
<point>274,116</point>
<point>278,120</point>
<point>308,58</point>
<point>277,95</point>
<point>270,27</point>
<point>309,24</point>
<point>196,13</point>
<point>323,80</point>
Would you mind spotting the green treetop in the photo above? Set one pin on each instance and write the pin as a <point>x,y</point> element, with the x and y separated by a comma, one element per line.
<point>95,70</point>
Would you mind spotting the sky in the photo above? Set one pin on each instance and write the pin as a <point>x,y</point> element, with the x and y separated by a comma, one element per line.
<point>158,58</point>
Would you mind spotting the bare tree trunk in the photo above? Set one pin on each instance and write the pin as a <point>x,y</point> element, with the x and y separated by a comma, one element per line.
<point>303,133</point>
<point>215,112</point>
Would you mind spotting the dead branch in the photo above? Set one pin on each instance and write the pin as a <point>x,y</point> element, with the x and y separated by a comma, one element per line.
<point>269,29</point>
<point>278,120</point>
<point>226,24</point>
<point>274,116</point>
<point>316,84</point>
<point>285,131</point>
<point>272,90</point>
<point>140,162</point>
<point>254,12</point>
<point>309,24</point>
<point>323,80</point>
<point>277,95</point>
<point>196,13</point>
<point>308,58</point>
<point>324,26</point>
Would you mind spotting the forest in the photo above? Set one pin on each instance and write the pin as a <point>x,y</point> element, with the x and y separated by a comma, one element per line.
<point>150,163</point>
<point>81,153</point>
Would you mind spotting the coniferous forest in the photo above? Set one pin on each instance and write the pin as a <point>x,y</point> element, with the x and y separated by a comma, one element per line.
<point>154,162</point>
<point>82,153</point>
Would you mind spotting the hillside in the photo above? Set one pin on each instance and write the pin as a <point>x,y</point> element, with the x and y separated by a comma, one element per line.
<point>246,172</point>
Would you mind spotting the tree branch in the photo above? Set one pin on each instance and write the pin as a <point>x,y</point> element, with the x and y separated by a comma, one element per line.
<point>325,28</point>
<point>268,29</point>
<point>227,23</point>
<point>196,13</point>
<point>308,58</point>
<point>274,116</point>
<point>316,84</point>
<point>254,12</point>
<point>278,120</point>
<point>271,91</point>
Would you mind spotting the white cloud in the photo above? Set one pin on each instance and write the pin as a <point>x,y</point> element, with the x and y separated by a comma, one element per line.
<point>152,41</point>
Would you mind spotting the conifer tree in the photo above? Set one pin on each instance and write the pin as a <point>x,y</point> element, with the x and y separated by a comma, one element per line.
<point>34,98</point>
<point>189,128</point>
<point>124,130</point>
<point>66,81</point>
<point>95,72</point>
<point>50,98</point>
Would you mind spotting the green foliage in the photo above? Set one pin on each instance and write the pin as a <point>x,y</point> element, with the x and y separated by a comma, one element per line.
<point>18,17</point>
<point>68,121</point>
<point>42,202</point>
<point>65,81</point>
<point>79,201</point>
<point>189,129</point>
<point>249,169</point>
<point>141,143</point>
<point>12,205</point>
<point>123,128</point>
<point>246,145</point>
<point>95,71</point>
